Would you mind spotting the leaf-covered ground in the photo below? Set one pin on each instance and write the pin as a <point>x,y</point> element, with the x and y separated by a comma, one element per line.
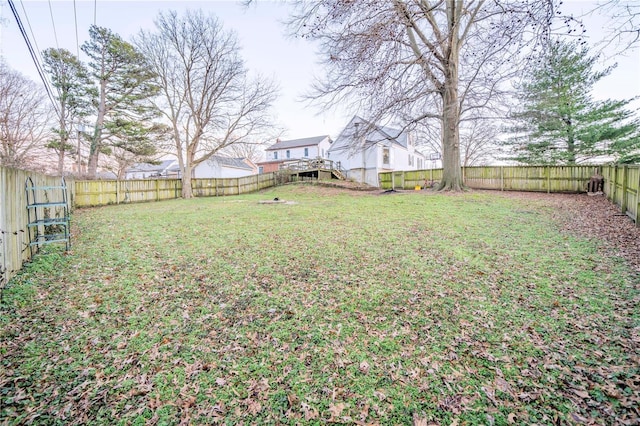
<point>346,307</point>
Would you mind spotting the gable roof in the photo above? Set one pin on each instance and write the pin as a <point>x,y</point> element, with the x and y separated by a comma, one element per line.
<point>148,167</point>
<point>375,135</point>
<point>238,163</point>
<point>295,143</point>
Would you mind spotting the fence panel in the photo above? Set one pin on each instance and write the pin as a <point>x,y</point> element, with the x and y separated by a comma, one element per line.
<point>14,236</point>
<point>509,178</point>
<point>104,192</point>
<point>484,177</point>
<point>622,187</point>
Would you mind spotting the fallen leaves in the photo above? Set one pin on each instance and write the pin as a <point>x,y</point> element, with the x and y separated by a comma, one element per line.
<point>417,312</point>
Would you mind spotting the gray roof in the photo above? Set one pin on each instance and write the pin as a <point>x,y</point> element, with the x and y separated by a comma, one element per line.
<point>148,167</point>
<point>223,161</point>
<point>374,135</point>
<point>295,143</point>
<point>232,162</point>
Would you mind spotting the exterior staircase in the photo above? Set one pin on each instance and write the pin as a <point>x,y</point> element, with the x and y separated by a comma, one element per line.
<point>314,167</point>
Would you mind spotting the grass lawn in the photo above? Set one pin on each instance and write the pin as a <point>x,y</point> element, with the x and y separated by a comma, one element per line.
<point>343,307</point>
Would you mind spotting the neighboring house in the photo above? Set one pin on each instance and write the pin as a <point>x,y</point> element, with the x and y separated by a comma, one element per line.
<point>364,150</point>
<point>220,167</point>
<point>149,171</point>
<point>225,167</point>
<point>106,175</point>
<point>294,149</point>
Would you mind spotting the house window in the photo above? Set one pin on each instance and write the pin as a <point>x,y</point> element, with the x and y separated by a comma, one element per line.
<point>288,154</point>
<point>410,159</point>
<point>385,155</point>
<point>260,170</point>
<point>306,152</point>
<point>275,155</point>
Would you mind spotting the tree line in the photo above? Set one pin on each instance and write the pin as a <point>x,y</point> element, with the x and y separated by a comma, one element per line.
<point>182,89</point>
<point>452,70</point>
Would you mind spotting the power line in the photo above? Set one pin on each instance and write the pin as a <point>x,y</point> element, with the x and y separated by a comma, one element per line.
<point>75,18</point>
<point>34,57</point>
<point>53,23</point>
<point>29,25</point>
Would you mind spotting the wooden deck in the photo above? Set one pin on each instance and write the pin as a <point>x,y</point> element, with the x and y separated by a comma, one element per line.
<point>319,168</point>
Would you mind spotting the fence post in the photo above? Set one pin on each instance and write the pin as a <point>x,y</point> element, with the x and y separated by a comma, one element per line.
<point>614,188</point>
<point>637,218</point>
<point>623,201</point>
<point>548,179</point>
<point>501,178</point>
<point>117,191</point>
<point>157,190</point>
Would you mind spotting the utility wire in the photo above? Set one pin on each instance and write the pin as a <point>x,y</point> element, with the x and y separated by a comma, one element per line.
<point>33,36</point>
<point>53,23</point>
<point>75,18</point>
<point>33,56</point>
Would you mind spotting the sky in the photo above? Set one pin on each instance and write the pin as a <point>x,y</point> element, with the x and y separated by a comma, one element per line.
<point>267,49</point>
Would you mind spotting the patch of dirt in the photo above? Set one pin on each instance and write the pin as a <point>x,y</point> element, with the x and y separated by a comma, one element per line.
<point>333,187</point>
<point>593,217</point>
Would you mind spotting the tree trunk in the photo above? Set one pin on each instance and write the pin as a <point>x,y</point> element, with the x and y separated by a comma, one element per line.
<point>187,192</point>
<point>61,159</point>
<point>94,150</point>
<point>64,137</point>
<point>451,171</point>
<point>571,145</point>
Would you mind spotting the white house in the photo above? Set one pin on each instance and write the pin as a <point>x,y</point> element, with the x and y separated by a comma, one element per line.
<point>225,167</point>
<point>219,167</point>
<point>365,149</point>
<point>295,149</point>
<point>149,171</point>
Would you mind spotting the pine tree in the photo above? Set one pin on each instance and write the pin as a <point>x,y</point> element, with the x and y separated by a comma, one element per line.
<point>125,85</point>
<point>73,90</point>
<point>560,123</point>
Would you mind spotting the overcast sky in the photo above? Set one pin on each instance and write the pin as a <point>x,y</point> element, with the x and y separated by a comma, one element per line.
<point>266,48</point>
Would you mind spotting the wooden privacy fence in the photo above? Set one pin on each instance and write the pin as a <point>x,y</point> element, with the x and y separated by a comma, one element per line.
<point>14,236</point>
<point>622,187</point>
<point>504,178</point>
<point>621,182</point>
<point>91,193</point>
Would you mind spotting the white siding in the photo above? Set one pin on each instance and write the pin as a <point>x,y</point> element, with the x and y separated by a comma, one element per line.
<point>366,165</point>
<point>212,169</point>
<point>313,151</point>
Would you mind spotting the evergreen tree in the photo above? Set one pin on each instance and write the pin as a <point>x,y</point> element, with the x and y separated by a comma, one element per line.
<point>70,79</point>
<point>560,123</point>
<point>125,85</point>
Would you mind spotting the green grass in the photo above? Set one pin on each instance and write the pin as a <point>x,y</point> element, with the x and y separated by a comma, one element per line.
<point>343,307</point>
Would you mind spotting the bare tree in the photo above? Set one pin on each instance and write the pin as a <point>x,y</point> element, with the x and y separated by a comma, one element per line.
<point>251,151</point>
<point>478,142</point>
<point>25,119</point>
<point>623,25</point>
<point>421,60</point>
<point>206,93</point>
